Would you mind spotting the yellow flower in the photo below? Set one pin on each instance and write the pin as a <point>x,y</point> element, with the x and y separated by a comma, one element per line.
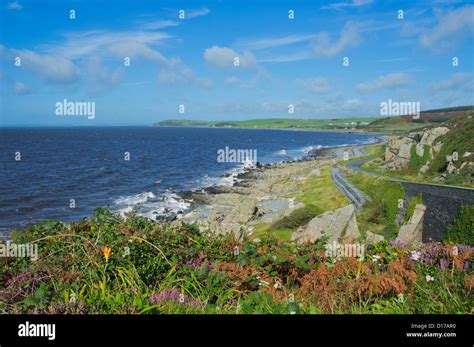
<point>106,251</point>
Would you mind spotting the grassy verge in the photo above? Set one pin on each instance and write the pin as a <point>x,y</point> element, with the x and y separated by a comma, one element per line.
<point>106,264</point>
<point>319,194</point>
<point>379,214</point>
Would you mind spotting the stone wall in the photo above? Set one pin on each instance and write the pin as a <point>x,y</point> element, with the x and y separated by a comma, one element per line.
<point>442,206</point>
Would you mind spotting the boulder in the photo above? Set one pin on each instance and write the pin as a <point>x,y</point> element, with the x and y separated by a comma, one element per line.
<point>424,169</point>
<point>451,169</point>
<point>429,136</point>
<point>397,153</point>
<point>412,231</point>
<point>332,224</point>
<point>398,150</point>
<point>315,172</point>
<point>371,237</point>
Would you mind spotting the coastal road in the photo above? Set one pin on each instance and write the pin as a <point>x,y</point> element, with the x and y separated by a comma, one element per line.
<point>354,194</point>
<point>443,203</point>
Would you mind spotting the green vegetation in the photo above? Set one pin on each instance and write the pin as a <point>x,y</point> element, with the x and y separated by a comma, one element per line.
<point>298,217</point>
<point>380,213</point>
<point>279,123</point>
<point>321,191</point>
<point>462,230</point>
<point>405,124</point>
<point>106,264</point>
<point>416,162</point>
<point>458,139</point>
<point>319,194</point>
<point>411,206</point>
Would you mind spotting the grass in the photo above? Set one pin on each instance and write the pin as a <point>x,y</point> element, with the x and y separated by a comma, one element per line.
<point>458,139</point>
<point>411,206</point>
<point>107,264</point>
<point>319,194</point>
<point>277,123</point>
<point>379,214</point>
<point>321,191</point>
<point>416,162</point>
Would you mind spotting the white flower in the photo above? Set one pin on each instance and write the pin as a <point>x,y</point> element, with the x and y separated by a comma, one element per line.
<point>376,257</point>
<point>277,285</point>
<point>400,297</point>
<point>429,278</point>
<point>416,255</point>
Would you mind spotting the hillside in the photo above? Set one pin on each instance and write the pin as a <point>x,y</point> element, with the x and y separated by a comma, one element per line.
<point>391,125</point>
<point>277,123</point>
<point>400,124</point>
<point>440,152</point>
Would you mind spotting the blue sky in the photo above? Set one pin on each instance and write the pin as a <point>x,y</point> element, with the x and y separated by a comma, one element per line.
<point>190,61</point>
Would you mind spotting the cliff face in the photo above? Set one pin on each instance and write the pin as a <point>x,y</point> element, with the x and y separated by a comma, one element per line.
<point>398,152</point>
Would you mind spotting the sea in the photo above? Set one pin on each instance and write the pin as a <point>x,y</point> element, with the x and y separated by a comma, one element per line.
<point>66,173</point>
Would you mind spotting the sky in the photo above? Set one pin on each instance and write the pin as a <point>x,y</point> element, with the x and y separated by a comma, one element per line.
<point>184,53</point>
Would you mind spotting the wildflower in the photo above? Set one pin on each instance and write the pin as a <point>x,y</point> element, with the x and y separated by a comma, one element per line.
<point>376,258</point>
<point>400,297</point>
<point>106,251</point>
<point>429,278</point>
<point>277,285</point>
<point>170,296</point>
<point>416,255</point>
<point>443,264</point>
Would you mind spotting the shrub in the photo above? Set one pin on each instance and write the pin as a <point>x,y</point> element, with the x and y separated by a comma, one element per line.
<point>416,162</point>
<point>298,217</point>
<point>462,230</point>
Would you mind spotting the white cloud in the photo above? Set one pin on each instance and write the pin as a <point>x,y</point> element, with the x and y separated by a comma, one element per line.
<point>353,3</point>
<point>243,84</point>
<point>178,72</point>
<point>270,42</point>
<point>49,67</point>
<point>136,50</point>
<point>316,85</point>
<point>349,37</point>
<point>101,77</point>
<point>127,43</point>
<point>15,5</point>
<point>232,80</point>
<point>334,106</point>
<point>456,81</point>
<point>392,80</point>
<point>223,58</point>
<point>203,11</point>
<point>451,27</point>
<point>158,24</point>
<point>20,89</point>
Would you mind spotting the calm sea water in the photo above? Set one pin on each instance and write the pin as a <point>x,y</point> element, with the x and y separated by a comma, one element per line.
<point>89,166</point>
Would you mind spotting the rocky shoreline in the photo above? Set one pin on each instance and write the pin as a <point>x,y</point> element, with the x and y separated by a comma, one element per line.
<point>261,194</point>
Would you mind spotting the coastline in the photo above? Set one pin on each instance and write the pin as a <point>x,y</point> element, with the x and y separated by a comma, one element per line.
<point>262,194</point>
<point>348,131</point>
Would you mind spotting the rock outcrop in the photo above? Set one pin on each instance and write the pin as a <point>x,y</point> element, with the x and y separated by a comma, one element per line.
<point>398,150</point>
<point>412,231</point>
<point>333,224</point>
<point>371,237</point>
<point>397,153</point>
